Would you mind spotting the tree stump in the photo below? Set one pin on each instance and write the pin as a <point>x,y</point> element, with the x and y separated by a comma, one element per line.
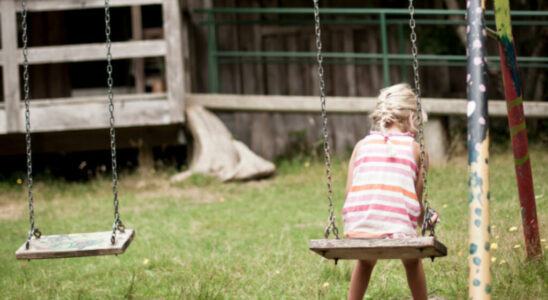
<point>216,153</point>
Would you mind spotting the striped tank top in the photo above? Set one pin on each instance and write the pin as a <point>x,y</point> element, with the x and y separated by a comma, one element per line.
<point>382,202</point>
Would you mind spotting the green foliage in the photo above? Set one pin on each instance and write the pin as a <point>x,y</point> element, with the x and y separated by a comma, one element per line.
<point>207,240</point>
<point>299,145</point>
<point>440,40</point>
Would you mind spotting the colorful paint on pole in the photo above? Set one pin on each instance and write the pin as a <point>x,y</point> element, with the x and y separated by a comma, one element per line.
<point>518,133</point>
<point>479,261</point>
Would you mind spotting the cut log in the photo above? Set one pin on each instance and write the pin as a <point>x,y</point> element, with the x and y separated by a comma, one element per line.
<point>215,153</point>
<point>212,149</point>
<point>251,166</point>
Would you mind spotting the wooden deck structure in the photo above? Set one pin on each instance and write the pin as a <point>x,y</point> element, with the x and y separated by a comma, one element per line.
<point>89,112</point>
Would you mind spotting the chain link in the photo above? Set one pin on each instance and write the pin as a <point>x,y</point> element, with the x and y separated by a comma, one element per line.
<point>117,225</point>
<point>26,90</point>
<point>331,221</point>
<point>414,52</point>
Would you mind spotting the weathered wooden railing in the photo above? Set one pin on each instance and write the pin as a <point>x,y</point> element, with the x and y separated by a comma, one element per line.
<point>90,112</point>
<point>342,105</point>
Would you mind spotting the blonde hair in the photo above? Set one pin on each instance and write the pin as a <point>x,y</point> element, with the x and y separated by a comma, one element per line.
<point>396,105</point>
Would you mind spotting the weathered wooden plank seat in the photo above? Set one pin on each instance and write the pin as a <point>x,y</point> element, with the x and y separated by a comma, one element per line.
<point>420,247</point>
<point>76,245</point>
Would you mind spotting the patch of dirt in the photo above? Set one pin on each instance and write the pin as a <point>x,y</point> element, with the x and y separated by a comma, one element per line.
<point>12,211</point>
<point>161,188</point>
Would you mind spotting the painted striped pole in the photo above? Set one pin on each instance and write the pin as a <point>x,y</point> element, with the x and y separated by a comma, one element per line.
<point>479,261</point>
<point>518,132</point>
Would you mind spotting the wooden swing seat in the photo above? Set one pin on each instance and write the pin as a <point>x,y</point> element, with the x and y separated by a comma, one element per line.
<point>76,245</point>
<point>419,247</point>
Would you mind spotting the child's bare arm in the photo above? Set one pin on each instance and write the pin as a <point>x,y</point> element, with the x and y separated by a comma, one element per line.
<point>351,170</point>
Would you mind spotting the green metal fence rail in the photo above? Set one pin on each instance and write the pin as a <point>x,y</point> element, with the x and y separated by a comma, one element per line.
<point>398,17</point>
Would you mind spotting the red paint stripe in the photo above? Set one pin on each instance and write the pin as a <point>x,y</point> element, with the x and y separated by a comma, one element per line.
<point>521,149</point>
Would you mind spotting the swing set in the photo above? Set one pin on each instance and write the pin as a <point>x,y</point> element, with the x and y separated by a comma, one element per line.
<point>77,244</point>
<point>419,247</point>
<point>478,145</point>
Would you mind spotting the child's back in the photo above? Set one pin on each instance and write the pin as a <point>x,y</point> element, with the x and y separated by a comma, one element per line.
<point>384,187</point>
<point>382,201</point>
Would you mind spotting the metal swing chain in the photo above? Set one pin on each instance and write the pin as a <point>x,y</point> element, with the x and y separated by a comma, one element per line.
<point>117,225</point>
<point>26,90</point>
<point>331,221</point>
<point>414,52</point>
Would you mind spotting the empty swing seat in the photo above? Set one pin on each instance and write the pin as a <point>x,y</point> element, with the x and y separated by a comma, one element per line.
<point>419,247</point>
<point>76,245</point>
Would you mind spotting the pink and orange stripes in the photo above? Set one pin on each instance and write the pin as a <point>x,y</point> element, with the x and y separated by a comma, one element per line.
<point>382,201</point>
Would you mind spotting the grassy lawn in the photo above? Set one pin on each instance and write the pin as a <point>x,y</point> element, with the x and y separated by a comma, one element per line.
<point>206,240</point>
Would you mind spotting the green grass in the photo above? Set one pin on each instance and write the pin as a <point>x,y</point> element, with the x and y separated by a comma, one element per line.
<point>207,240</point>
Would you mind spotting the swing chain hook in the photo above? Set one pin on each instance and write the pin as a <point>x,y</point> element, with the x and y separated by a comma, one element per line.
<point>118,225</point>
<point>331,227</point>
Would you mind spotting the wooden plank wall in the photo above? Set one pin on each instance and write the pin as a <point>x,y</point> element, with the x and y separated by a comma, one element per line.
<point>273,134</point>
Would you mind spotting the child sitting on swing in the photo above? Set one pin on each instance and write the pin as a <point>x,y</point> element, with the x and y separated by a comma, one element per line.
<point>384,185</point>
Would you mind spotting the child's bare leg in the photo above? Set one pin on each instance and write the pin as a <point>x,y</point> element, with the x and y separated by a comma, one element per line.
<point>415,278</point>
<point>360,278</point>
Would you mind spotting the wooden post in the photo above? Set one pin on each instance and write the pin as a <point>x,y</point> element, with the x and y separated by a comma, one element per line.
<point>436,143</point>
<point>229,75</point>
<point>174,59</point>
<point>518,132</point>
<point>375,72</point>
<point>479,260</point>
<point>185,43</point>
<point>384,43</point>
<point>10,66</point>
<point>350,67</point>
<point>137,35</point>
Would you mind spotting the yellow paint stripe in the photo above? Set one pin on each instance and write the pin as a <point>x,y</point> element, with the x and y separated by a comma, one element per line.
<point>502,19</point>
<point>516,129</point>
<point>521,161</point>
<point>514,103</point>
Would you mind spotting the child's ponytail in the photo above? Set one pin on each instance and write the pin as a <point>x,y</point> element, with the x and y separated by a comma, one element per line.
<point>396,105</point>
